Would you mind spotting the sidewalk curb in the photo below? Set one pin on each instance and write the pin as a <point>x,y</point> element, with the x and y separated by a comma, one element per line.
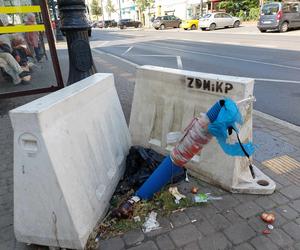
<point>276,120</point>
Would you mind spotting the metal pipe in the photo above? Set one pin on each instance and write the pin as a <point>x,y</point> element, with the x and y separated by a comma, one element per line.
<point>246,100</point>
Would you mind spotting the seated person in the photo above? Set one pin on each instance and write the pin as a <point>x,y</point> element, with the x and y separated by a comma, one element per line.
<point>11,66</point>
<point>21,52</point>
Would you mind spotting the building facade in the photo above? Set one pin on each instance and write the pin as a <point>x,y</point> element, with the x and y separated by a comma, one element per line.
<point>184,9</point>
<point>129,10</point>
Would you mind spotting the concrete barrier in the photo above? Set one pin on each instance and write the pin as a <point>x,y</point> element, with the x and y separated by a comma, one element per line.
<point>165,100</point>
<point>70,149</point>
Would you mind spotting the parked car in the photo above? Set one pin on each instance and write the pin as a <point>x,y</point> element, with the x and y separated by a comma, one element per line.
<point>279,16</point>
<point>192,24</point>
<point>100,24</point>
<point>93,24</point>
<point>162,22</point>
<point>124,23</point>
<point>217,20</point>
<point>107,24</point>
<point>110,23</point>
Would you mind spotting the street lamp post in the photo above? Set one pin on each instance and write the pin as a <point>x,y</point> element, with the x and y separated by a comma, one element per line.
<point>75,26</point>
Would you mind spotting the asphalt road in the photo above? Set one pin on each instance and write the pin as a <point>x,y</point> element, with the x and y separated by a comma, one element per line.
<point>272,59</point>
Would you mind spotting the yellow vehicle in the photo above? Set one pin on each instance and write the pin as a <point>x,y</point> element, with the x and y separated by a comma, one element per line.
<point>192,24</point>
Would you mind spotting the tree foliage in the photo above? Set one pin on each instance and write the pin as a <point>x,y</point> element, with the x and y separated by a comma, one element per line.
<point>96,10</point>
<point>110,8</point>
<point>234,7</point>
<point>142,5</point>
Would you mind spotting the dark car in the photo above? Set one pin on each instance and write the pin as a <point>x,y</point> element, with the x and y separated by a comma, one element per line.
<point>107,24</point>
<point>162,22</point>
<point>279,16</point>
<point>124,23</point>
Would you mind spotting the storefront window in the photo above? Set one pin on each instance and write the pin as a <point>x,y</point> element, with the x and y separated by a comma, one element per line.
<point>26,63</point>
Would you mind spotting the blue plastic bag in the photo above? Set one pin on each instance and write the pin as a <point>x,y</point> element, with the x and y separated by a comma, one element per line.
<point>229,116</point>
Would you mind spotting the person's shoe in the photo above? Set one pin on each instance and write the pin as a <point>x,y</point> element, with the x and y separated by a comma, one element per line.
<point>23,82</point>
<point>41,60</point>
<point>24,74</point>
<point>17,82</point>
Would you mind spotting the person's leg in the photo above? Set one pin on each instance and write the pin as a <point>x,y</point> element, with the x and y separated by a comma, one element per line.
<point>11,61</point>
<point>37,53</point>
<point>9,70</point>
<point>14,69</point>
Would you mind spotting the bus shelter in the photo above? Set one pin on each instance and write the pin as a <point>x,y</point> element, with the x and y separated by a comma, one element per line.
<point>28,57</point>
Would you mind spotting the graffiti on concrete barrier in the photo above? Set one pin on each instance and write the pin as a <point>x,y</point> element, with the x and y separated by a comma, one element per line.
<point>215,86</point>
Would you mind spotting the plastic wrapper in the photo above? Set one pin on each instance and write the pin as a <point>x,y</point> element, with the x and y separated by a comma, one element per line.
<point>151,223</point>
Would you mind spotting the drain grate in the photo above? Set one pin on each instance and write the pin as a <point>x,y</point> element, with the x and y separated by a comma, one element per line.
<point>285,166</point>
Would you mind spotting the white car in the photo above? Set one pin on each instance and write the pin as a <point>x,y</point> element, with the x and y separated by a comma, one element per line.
<point>213,21</point>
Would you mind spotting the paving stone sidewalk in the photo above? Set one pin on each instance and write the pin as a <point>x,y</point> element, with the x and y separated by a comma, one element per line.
<point>232,223</point>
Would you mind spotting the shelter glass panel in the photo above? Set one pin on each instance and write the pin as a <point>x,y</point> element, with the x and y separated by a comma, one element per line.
<point>28,58</point>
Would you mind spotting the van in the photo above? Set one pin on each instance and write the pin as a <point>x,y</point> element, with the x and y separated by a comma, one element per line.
<point>279,16</point>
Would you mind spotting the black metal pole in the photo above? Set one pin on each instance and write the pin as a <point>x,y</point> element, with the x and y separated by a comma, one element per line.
<point>75,26</point>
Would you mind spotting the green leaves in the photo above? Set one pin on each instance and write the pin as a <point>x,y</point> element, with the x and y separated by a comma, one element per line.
<point>110,8</point>
<point>234,7</point>
<point>142,5</point>
<point>95,8</point>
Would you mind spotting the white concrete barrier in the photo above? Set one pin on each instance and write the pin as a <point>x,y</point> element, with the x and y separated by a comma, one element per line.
<point>165,100</point>
<point>70,149</point>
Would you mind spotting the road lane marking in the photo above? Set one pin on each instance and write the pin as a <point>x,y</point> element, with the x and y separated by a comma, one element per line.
<point>227,57</point>
<point>142,55</point>
<point>255,112</point>
<point>137,65</point>
<point>266,46</point>
<point>130,48</point>
<point>99,52</point>
<point>232,43</point>
<point>242,43</point>
<point>179,62</point>
<point>205,41</point>
<point>104,43</point>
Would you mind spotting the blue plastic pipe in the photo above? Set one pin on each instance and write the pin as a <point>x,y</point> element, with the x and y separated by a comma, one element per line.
<point>164,172</point>
<point>160,177</point>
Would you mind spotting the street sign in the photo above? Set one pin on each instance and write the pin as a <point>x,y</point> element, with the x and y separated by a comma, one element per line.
<point>28,58</point>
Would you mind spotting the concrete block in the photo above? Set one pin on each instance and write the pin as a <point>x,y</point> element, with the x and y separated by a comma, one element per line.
<point>115,243</point>
<point>134,237</point>
<point>239,233</point>
<point>164,242</point>
<point>70,149</point>
<point>179,219</point>
<point>215,241</point>
<point>248,209</point>
<point>165,100</point>
<point>185,235</point>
